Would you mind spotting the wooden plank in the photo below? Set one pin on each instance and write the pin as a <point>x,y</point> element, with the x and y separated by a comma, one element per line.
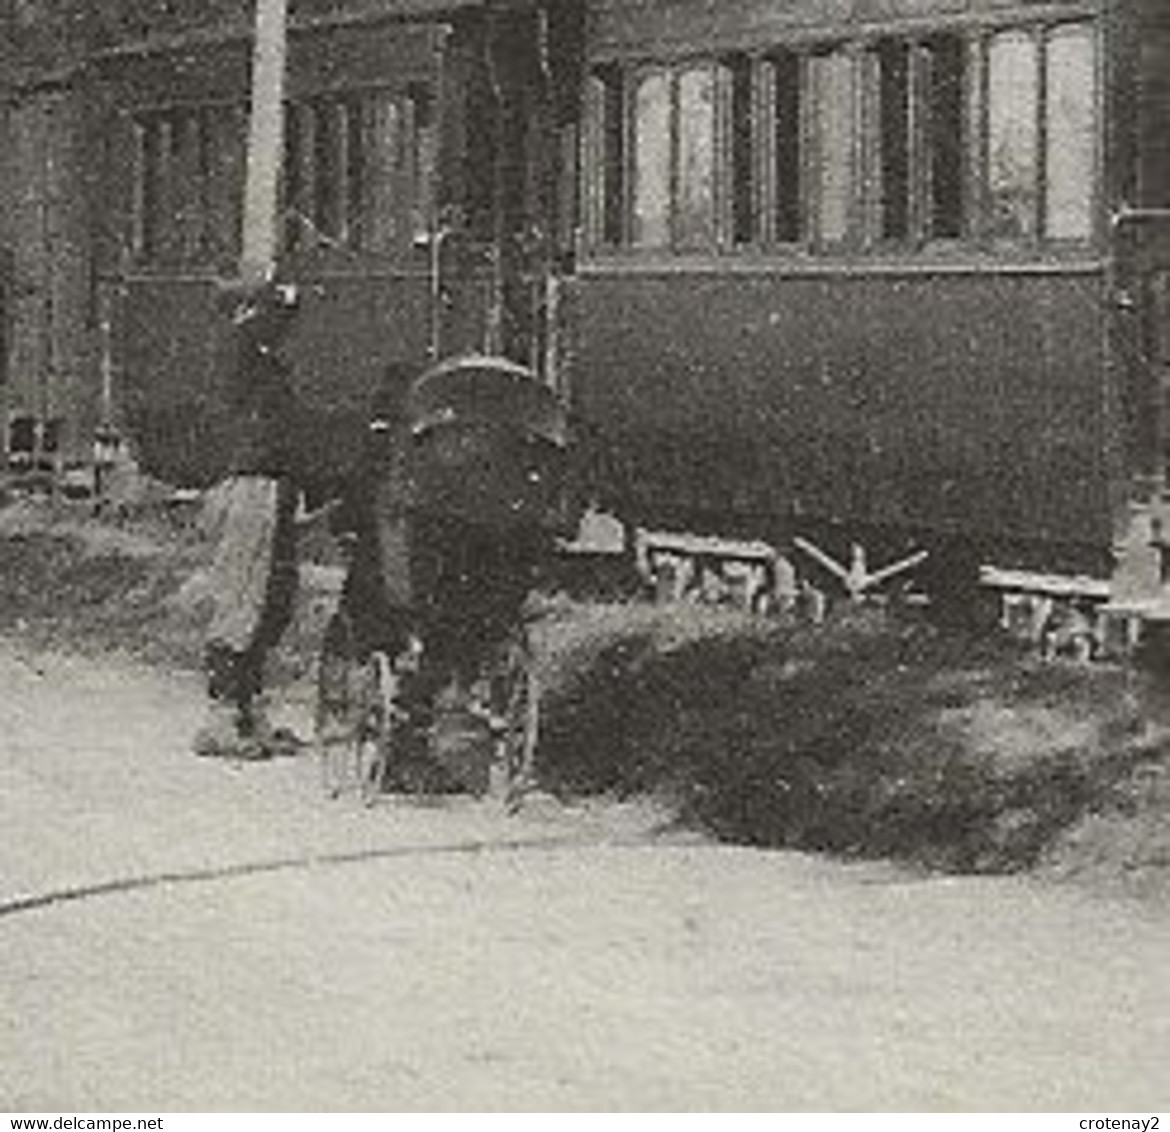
<point>1049,585</point>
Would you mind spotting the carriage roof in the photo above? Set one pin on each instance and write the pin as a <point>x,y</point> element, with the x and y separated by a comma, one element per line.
<point>486,390</point>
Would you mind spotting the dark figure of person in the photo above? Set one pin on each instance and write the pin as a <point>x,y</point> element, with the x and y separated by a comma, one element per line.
<point>372,518</point>
<point>254,572</point>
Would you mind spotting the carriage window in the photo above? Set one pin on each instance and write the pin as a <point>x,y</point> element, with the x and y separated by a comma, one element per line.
<point>694,212</point>
<point>480,120</point>
<point>833,84</point>
<point>292,184</point>
<point>423,158</point>
<point>674,155</point>
<point>1071,132</point>
<point>175,187</point>
<point>358,172</point>
<point>1042,133</point>
<point>945,141</point>
<point>655,157</point>
<point>767,150</point>
<point>381,129</point>
<point>787,171</point>
<point>297,173</point>
<point>920,164</point>
<point>152,147</point>
<point>353,140</point>
<point>568,177</point>
<point>1159,317</point>
<point>607,162</point>
<point>894,124</point>
<point>178,219</point>
<point>652,161</point>
<point>189,158</point>
<point>1012,134</point>
<point>330,168</point>
<point>743,150</point>
<point>227,155</point>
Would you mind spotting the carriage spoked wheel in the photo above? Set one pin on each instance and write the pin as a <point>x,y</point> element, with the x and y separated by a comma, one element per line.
<point>516,700</point>
<point>335,717</point>
<point>355,714</point>
<point>377,728</point>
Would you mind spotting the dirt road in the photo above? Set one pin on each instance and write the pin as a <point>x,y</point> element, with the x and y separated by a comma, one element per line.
<point>180,935</point>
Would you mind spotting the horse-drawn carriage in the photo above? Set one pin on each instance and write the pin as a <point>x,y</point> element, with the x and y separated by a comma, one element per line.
<point>426,677</point>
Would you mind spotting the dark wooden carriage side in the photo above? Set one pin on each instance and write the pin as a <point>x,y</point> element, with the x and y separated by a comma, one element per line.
<point>959,388</point>
<point>449,258</point>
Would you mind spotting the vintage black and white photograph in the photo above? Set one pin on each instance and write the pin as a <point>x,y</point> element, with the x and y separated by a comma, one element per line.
<point>584,556</point>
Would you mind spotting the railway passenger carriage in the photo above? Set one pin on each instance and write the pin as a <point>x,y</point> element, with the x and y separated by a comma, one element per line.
<point>853,264</point>
<point>858,279</point>
<point>420,203</point>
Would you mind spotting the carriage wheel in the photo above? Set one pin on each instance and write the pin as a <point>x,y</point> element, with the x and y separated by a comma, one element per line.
<point>355,713</point>
<point>378,728</point>
<point>518,700</point>
<point>337,718</point>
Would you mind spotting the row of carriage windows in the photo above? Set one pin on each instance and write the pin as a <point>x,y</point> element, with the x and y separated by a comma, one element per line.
<point>358,174</point>
<point>899,141</point>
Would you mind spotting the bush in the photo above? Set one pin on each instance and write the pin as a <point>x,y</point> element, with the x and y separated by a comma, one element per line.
<point>859,737</point>
<point>137,586</point>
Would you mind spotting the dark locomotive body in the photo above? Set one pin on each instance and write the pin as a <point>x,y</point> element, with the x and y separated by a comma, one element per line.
<point>842,270</point>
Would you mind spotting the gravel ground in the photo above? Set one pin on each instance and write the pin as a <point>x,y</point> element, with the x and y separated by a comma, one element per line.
<point>181,935</point>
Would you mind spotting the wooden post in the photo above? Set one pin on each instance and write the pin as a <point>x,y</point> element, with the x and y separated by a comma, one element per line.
<point>265,142</point>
